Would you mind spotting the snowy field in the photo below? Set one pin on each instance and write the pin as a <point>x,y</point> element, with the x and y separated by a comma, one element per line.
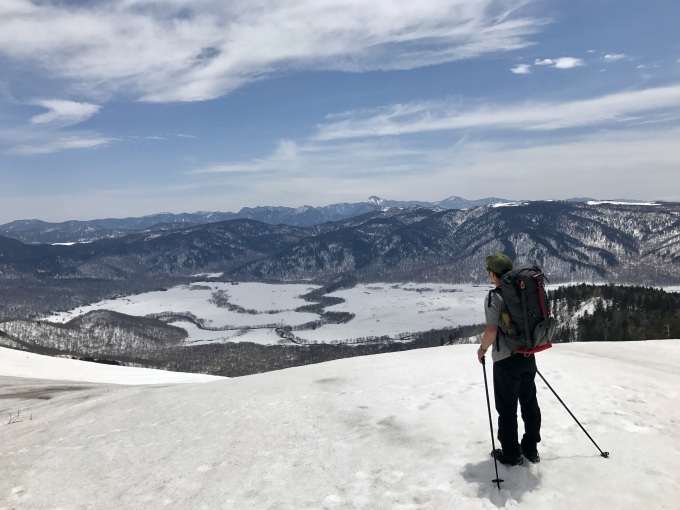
<point>406,430</point>
<point>379,309</point>
<point>275,305</point>
<point>395,310</point>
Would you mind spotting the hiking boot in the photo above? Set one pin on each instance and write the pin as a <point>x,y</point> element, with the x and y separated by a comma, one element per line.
<point>507,459</point>
<point>531,455</point>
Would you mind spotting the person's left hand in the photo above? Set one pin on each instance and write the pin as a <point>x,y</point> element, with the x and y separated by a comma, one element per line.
<point>480,355</point>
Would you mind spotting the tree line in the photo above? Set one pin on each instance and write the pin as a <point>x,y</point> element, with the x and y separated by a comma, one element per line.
<point>615,313</point>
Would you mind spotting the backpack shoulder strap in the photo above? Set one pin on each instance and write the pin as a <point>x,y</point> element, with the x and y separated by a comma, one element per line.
<point>496,290</point>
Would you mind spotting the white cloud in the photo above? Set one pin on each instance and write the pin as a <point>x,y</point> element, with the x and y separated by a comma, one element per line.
<point>568,63</point>
<point>65,113</point>
<point>187,50</point>
<point>613,57</point>
<point>521,69</point>
<point>8,7</point>
<point>414,118</point>
<point>560,63</point>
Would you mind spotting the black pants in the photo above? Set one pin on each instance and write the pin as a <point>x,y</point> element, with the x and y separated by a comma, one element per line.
<point>513,381</point>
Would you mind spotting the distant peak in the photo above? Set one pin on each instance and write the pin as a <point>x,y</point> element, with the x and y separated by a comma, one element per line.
<point>375,200</point>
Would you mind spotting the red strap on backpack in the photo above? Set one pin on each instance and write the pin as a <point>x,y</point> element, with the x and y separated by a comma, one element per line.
<point>534,350</point>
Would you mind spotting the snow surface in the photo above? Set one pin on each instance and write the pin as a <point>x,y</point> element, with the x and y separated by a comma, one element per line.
<point>396,309</point>
<point>15,363</point>
<point>405,430</point>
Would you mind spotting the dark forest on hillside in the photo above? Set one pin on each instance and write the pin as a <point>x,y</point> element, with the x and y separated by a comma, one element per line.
<point>619,314</point>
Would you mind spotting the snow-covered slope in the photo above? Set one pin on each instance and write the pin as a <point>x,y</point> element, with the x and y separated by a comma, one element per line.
<point>398,431</point>
<point>28,365</point>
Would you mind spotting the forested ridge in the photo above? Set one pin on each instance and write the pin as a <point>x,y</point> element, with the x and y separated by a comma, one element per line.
<point>615,313</point>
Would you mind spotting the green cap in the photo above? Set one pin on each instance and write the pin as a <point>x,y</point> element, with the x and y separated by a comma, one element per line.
<point>499,263</point>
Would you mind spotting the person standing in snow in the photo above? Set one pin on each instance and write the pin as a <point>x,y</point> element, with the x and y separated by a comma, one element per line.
<point>513,378</point>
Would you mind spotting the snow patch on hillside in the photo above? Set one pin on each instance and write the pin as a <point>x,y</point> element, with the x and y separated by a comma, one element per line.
<point>510,204</point>
<point>614,202</point>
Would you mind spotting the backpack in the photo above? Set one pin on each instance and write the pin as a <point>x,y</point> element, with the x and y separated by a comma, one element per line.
<point>527,325</point>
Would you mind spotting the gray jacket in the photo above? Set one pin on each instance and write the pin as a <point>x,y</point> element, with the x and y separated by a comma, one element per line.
<point>493,309</point>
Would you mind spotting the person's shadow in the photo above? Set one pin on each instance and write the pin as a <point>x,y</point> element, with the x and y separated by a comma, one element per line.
<point>518,480</point>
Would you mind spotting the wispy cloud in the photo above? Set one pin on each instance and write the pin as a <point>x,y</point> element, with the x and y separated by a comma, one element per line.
<point>642,158</point>
<point>613,57</point>
<point>64,113</point>
<point>349,158</point>
<point>57,145</point>
<point>521,69</point>
<point>427,117</point>
<point>283,156</point>
<point>564,167</point>
<point>187,50</point>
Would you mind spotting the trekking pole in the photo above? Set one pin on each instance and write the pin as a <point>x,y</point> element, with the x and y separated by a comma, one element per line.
<point>493,443</point>
<point>603,454</point>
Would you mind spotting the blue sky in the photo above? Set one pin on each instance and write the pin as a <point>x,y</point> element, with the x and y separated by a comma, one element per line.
<point>132,107</point>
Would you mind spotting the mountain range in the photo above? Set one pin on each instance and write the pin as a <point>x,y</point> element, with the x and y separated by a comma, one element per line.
<point>37,231</point>
<point>572,241</point>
